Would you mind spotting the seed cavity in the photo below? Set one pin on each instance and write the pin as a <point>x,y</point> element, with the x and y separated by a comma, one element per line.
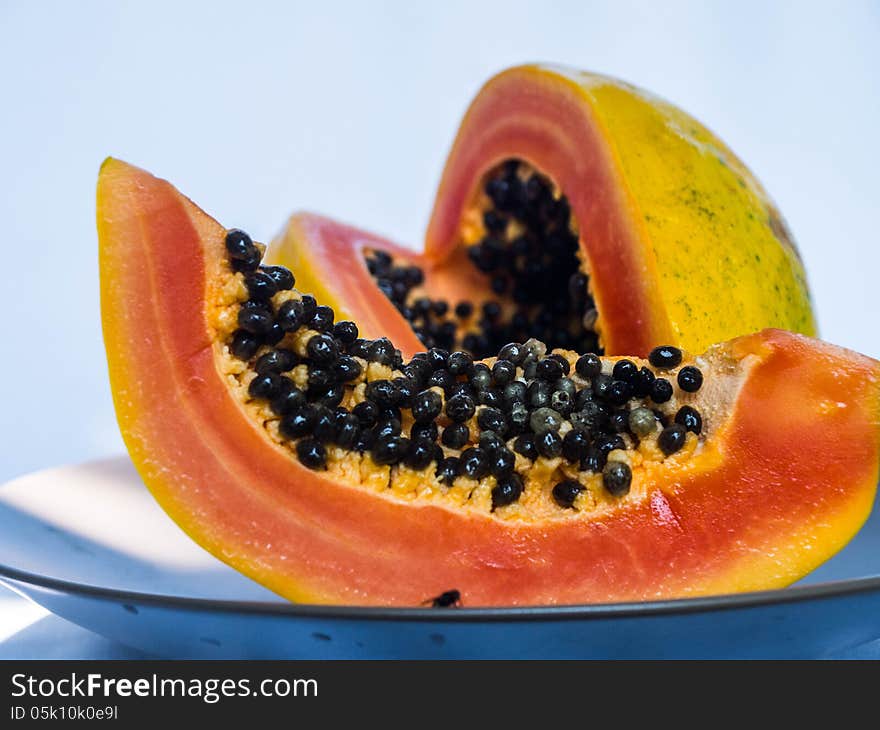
<point>529,257</point>
<point>441,414</point>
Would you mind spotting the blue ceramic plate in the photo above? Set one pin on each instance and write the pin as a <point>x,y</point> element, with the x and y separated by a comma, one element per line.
<point>89,543</point>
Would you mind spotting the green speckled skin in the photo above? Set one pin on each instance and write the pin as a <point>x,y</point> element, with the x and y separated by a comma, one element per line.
<point>725,261</point>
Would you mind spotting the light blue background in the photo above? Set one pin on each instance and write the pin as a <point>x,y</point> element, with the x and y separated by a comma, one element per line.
<point>257,109</point>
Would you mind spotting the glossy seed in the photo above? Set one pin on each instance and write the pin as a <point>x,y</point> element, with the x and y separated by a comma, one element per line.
<point>288,401</point>
<point>366,412</point>
<point>283,277</point>
<point>460,408</point>
<point>525,445</point>
<point>426,406</point>
<point>619,392</point>
<point>549,369</point>
<point>503,372</point>
<point>665,357</point>
<point>512,352</point>
<point>507,491</point>
<point>492,398</point>
<point>690,379</point>
<point>501,462</point>
<point>549,444</point>
<point>388,425</point>
<point>617,478</point>
<point>365,440</point>
<point>290,315</point>
<point>320,379</point>
<point>346,332</point>
<point>383,393</point>
<point>455,435</point>
<point>389,449</point>
<point>473,463</point>
<point>672,438</point>
<point>311,453</point>
<point>359,348</point>
<point>257,321</point>
<point>419,455</point>
<point>566,492</point>
<point>276,361</point>
<point>491,443</point>
<point>438,358</point>
<point>332,396</point>
<point>274,335</point>
<point>298,424</point>
<point>460,363</point>
<point>575,445</point>
<point>348,430</point>
<point>382,351</point>
<point>594,461</point>
<point>424,431</point>
<point>625,370</point>
<point>442,379</point>
<point>588,366</point>
<point>608,443</point>
<point>325,426</point>
<point>661,390</point>
<point>539,394</point>
<point>238,244</point>
<point>264,386</point>
<point>618,421</point>
<point>322,349</point>
<point>260,286</point>
<point>309,304</point>
<point>601,385</point>
<point>643,381</point>
<point>447,470</point>
<point>244,345</point>
<point>346,369</point>
<point>491,419</point>
<point>249,262</point>
<point>563,362</point>
<point>690,418</point>
<point>321,319</point>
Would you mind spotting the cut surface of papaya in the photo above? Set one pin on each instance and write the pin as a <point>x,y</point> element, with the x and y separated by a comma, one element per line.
<point>333,469</point>
<point>592,215</point>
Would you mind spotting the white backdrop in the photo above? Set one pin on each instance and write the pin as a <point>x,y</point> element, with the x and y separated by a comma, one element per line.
<point>255,109</point>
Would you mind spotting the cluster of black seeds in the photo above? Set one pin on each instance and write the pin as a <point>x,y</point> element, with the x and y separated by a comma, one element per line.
<point>435,324</point>
<point>527,403</point>
<point>529,257</point>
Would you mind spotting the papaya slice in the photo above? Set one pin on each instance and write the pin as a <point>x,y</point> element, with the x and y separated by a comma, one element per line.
<point>589,214</point>
<point>329,259</point>
<point>332,469</point>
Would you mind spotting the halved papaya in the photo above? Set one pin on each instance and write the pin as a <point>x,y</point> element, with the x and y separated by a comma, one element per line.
<point>587,213</point>
<point>332,469</point>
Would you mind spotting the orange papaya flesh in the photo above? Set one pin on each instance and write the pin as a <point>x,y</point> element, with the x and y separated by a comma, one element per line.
<point>598,217</point>
<point>777,476</point>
